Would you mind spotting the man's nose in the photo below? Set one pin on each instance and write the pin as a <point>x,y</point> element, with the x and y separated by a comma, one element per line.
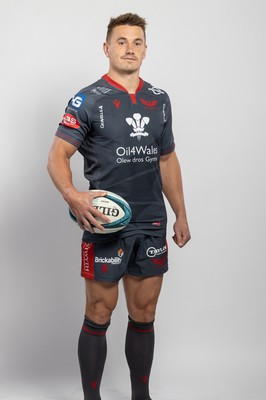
<point>129,49</point>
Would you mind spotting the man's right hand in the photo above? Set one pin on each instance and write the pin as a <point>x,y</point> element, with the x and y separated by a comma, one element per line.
<point>81,206</point>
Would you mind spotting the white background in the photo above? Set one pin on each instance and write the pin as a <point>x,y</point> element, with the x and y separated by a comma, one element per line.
<point>209,55</point>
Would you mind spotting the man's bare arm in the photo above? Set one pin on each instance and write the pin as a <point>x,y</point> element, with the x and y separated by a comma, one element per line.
<point>61,175</point>
<point>173,190</point>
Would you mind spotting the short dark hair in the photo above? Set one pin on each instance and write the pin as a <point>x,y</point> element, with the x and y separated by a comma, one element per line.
<point>126,19</point>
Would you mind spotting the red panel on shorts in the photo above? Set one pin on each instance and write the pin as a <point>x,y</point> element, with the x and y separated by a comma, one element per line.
<point>87,264</point>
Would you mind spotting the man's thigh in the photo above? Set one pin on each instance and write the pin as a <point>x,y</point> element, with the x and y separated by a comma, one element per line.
<point>101,300</point>
<point>142,295</point>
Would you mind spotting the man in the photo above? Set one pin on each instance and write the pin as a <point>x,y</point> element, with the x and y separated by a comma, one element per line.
<point>122,127</point>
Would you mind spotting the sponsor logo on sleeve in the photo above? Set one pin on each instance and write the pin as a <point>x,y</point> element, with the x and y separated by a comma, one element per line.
<point>70,121</point>
<point>78,100</point>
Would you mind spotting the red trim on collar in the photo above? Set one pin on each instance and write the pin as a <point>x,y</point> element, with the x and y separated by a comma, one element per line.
<point>118,86</point>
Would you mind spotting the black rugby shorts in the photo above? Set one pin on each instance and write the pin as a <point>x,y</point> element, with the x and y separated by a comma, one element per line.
<point>139,255</point>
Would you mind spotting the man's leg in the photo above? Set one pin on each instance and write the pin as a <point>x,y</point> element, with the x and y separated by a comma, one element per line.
<point>141,295</point>
<point>101,299</point>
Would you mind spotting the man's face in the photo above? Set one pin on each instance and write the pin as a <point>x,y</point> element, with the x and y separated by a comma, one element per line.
<point>126,48</point>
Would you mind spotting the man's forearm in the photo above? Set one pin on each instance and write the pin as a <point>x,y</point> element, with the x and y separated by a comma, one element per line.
<point>61,175</point>
<point>172,184</point>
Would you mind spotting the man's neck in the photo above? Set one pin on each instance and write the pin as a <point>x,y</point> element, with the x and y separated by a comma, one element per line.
<point>129,81</point>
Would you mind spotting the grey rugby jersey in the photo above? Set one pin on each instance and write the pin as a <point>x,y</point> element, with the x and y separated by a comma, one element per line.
<point>121,137</point>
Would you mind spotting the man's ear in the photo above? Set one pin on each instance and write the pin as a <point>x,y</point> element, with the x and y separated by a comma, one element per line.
<point>145,52</point>
<point>105,49</point>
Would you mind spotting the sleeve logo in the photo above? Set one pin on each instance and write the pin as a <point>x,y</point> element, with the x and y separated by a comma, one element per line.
<point>70,121</point>
<point>78,100</point>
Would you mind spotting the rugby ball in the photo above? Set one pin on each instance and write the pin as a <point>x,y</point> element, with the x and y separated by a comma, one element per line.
<point>115,208</point>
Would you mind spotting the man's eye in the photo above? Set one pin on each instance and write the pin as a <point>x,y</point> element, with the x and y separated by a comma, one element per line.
<point>121,42</point>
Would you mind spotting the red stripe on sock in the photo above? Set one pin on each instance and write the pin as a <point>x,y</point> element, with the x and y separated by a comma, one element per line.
<point>132,327</point>
<point>93,332</point>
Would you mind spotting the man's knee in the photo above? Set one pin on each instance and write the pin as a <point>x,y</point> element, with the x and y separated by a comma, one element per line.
<point>99,312</point>
<point>144,313</point>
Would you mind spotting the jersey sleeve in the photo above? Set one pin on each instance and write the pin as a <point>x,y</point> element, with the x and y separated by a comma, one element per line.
<point>167,138</point>
<point>75,124</point>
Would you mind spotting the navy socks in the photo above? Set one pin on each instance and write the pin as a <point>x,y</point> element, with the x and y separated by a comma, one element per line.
<point>92,350</point>
<point>139,354</point>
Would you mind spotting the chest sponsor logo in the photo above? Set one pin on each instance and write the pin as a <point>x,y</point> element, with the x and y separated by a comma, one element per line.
<point>78,100</point>
<point>138,124</point>
<point>70,121</point>
<point>156,90</point>
<point>137,154</point>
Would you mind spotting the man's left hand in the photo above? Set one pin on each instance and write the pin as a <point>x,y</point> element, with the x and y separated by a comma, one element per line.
<point>181,232</point>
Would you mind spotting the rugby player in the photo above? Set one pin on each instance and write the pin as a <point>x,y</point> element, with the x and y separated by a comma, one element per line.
<point>122,126</point>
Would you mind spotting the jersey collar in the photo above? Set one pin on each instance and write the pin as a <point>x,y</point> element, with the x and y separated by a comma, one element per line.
<point>118,86</point>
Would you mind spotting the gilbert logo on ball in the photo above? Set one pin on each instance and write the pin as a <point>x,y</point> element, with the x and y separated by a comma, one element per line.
<point>115,207</point>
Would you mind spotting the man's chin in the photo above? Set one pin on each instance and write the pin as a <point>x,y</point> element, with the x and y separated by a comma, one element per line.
<point>128,71</point>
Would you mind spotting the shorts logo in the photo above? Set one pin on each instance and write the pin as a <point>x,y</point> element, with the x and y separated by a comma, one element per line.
<point>104,268</point>
<point>70,121</point>
<point>78,100</point>
<point>138,124</point>
<point>159,262</point>
<point>87,261</point>
<point>108,260</point>
<point>152,251</point>
<point>120,252</point>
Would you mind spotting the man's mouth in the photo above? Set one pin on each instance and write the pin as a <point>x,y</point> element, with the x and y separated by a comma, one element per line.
<point>129,58</point>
